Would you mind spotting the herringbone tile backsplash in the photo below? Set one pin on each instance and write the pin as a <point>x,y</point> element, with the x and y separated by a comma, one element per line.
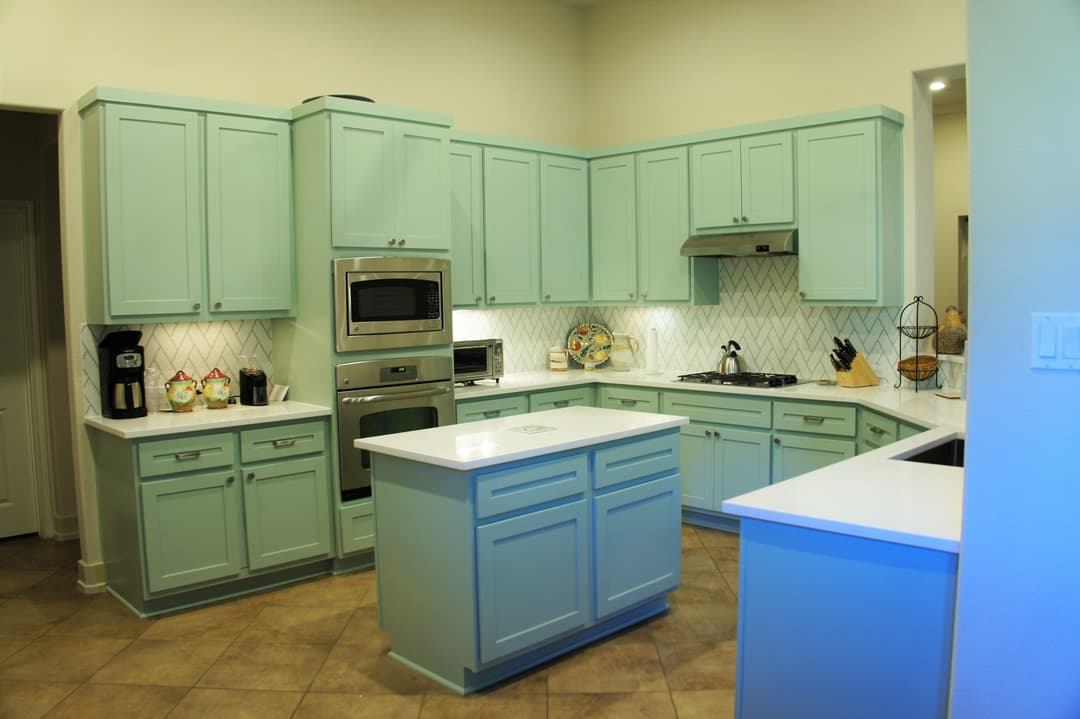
<point>195,347</point>
<point>759,308</point>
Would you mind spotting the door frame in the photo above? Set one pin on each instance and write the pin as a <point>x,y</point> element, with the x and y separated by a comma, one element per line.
<point>35,371</point>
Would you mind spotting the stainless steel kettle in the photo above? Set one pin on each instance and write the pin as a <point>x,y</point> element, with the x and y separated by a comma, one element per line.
<point>729,361</point>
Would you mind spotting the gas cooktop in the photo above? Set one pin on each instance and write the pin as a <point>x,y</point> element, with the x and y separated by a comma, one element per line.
<point>741,379</point>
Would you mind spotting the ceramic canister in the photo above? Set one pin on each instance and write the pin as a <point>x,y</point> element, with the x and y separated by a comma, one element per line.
<point>180,390</point>
<point>215,389</point>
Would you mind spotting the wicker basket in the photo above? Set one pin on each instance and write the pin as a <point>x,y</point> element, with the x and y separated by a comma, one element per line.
<point>918,367</point>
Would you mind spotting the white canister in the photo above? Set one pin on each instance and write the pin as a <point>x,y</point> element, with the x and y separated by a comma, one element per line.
<point>557,359</point>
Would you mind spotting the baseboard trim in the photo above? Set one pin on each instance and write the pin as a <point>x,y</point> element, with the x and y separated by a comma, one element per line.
<point>66,527</point>
<point>91,577</point>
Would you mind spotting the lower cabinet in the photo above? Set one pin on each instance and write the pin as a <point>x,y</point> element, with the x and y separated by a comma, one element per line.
<point>581,396</point>
<point>722,462</point>
<point>203,510</point>
<point>619,397</point>
<point>474,410</point>
<point>794,454</point>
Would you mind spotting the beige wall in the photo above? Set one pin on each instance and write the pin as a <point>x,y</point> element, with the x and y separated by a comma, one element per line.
<point>950,201</point>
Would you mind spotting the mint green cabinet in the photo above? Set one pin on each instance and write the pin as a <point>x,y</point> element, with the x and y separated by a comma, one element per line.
<point>248,215</point>
<point>613,214</point>
<point>511,226</point>
<point>389,184</point>
<point>580,396</point>
<point>850,216</point>
<point>193,527</point>
<point>793,454</point>
<point>473,410</point>
<point>564,229</point>
<point>875,430</point>
<point>287,511</point>
<point>743,181</point>
<point>906,430</point>
<point>663,225</point>
<point>187,213</point>
<point>467,224</point>
<point>629,398</point>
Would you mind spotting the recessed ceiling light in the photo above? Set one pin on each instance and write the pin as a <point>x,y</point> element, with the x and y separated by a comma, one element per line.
<point>937,85</point>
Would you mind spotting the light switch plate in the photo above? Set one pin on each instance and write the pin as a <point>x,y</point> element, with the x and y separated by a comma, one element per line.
<point>1055,341</point>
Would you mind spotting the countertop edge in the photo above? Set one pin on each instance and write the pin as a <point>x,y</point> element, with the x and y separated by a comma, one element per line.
<point>164,424</point>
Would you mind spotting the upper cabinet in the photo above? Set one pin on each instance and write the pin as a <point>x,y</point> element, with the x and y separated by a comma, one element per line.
<point>663,225</point>
<point>564,229</point>
<point>742,181</point>
<point>467,224</point>
<point>511,226</point>
<point>850,194</point>
<point>613,209</point>
<point>389,183</point>
<point>187,208</point>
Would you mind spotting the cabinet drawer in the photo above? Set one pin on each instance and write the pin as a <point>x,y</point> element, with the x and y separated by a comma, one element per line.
<point>639,400</point>
<point>818,418</point>
<point>556,398</point>
<point>186,454</point>
<point>719,408</point>
<point>356,527</point>
<point>474,410</point>
<point>282,440</point>
<point>523,486</point>
<point>640,459</point>
<point>875,430</point>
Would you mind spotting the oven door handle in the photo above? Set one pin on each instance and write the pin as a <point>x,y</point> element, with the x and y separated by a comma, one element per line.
<point>400,395</point>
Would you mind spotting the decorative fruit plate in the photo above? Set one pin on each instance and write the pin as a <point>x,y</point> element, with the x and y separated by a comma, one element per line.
<point>589,342</point>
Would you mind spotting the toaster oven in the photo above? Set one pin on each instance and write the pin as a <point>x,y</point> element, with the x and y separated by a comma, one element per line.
<point>478,359</point>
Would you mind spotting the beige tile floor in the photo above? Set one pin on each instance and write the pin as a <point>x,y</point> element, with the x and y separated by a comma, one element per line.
<point>315,650</point>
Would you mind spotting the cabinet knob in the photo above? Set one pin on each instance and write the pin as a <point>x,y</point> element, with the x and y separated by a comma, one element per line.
<point>392,242</point>
<point>776,441</point>
<point>631,295</point>
<point>401,243</point>
<point>217,305</point>
<point>229,479</point>
<point>735,220</point>
<point>708,433</point>
<point>491,299</point>
<point>251,476</point>
<point>644,295</point>
<point>803,295</point>
<point>744,218</point>
<point>547,296</point>
<point>197,306</point>
<point>479,299</point>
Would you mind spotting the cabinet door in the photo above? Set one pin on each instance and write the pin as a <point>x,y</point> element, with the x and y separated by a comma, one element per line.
<point>838,210</point>
<point>743,462</point>
<point>613,212</point>
<point>532,578</point>
<point>794,455</point>
<point>715,184</point>
<point>287,511</point>
<point>466,225</point>
<point>697,451</point>
<point>249,214</point>
<point>191,529</point>
<point>767,181</point>
<point>362,182</point>
<point>511,226</point>
<point>663,225</point>
<point>564,229</point>
<point>153,211</point>
<point>638,552</point>
<point>421,164</point>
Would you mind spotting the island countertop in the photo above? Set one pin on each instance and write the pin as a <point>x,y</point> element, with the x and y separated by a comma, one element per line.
<point>496,441</point>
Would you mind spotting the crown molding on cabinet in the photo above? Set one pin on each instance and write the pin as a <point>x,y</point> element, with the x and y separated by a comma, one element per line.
<point>180,102</point>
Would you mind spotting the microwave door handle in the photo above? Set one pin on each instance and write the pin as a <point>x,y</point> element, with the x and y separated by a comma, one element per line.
<point>405,395</point>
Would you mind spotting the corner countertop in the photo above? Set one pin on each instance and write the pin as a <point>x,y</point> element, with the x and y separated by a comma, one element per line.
<point>159,424</point>
<point>475,445</point>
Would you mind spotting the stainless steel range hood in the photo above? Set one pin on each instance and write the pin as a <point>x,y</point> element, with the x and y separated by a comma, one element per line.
<point>743,244</point>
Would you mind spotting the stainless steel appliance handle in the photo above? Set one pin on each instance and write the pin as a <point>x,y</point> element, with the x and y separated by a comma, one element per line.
<point>400,395</point>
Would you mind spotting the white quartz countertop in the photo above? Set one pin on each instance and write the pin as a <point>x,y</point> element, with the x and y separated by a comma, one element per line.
<point>474,445</point>
<point>201,419</point>
<point>923,408</point>
<point>876,495</point>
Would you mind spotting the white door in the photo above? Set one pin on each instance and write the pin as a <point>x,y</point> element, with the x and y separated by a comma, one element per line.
<point>18,513</point>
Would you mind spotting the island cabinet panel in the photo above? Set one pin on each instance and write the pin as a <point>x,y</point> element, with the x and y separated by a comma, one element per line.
<point>193,527</point>
<point>878,644</point>
<point>508,490</point>
<point>511,226</point>
<point>532,578</point>
<point>633,462</point>
<point>637,556</point>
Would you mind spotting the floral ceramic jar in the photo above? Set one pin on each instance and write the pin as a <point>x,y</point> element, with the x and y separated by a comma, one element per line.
<point>180,391</point>
<point>215,389</point>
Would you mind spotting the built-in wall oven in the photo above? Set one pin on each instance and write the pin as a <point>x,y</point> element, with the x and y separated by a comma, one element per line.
<point>384,397</point>
<point>391,302</point>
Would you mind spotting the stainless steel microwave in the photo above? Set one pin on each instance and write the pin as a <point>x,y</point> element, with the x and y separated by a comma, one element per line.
<point>391,303</point>
<point>478,359</point>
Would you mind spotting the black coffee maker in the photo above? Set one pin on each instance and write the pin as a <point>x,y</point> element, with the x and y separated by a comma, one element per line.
<point>123,388</point>
<point>252,381</point>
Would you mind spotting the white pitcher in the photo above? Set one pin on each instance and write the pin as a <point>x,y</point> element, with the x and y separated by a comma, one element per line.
<point>622,352</point>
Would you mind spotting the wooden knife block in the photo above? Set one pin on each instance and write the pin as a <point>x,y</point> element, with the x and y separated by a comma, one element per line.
<point>860,374</point>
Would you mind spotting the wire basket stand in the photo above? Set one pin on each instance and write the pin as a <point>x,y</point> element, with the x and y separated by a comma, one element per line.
<point>917,321</point>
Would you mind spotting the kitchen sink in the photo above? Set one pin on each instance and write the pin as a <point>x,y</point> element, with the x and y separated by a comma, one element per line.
<point>949,454</point>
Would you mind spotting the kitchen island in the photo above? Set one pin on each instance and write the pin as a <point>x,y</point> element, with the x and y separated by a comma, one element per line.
<point>507,542</point>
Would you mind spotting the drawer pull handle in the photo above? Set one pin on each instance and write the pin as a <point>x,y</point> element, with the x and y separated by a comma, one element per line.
<point>562,403</point>
<point>629,402</point>
<point>492,412</point>
<point>876,430</point>
<point>185,456</point>
<point>811,419</point>
<point>285,442</point>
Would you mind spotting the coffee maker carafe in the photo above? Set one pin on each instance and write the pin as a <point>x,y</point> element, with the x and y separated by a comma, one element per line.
<point>123,389</point>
